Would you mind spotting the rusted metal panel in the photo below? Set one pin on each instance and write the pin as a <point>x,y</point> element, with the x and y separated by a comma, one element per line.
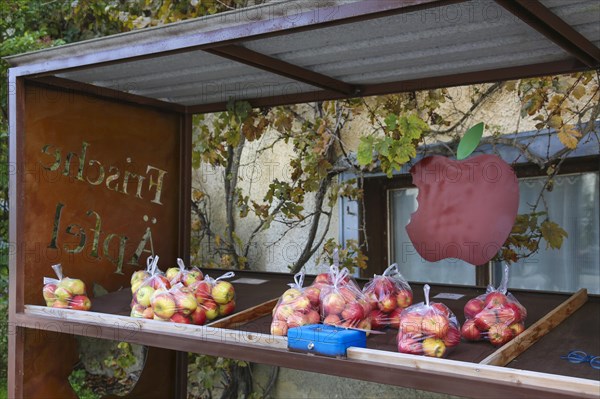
<point>100,191</point>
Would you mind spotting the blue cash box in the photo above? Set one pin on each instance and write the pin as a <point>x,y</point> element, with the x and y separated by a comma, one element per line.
<point>325,340</point>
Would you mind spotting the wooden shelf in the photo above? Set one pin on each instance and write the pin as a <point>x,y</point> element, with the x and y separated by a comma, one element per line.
<point>245,336</point>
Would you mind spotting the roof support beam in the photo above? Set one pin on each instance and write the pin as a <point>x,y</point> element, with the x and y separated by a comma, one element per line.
<point>540,18</point>
<point>467,78</point>
<point>279,67</point>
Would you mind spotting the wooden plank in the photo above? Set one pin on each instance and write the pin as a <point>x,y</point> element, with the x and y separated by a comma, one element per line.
<point>508,352</point>
<point>246,316</point>
<point>131,326</point>
<point>560,385</point>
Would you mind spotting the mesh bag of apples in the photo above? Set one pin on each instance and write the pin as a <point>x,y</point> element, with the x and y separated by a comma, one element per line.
<point>428,328</point>
<point>388,295</point>
<point>180,274</point>
<point>342,301</point>
<point>189,300</point>
<point>65,292</point>
<point>214,296</point>
<point>298,306</point>
<point>496,316</point>
<point>144,284</point>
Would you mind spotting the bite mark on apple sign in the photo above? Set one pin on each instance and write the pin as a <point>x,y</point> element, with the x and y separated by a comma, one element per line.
<point>466,209</point>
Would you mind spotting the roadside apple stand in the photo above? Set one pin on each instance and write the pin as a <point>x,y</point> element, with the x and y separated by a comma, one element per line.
<point>100,137</point>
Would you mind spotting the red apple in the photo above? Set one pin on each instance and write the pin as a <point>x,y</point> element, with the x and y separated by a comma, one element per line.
<point>506,315</point>
<point>80,302</point>
<point>211,308</point>
<point>332,320</point>
<point>301,304</point>
<point>227,308</point>
<point>191,277</point>
<point>441,309</point>
<point>163,305</point>
<point>485,319</point>
<point>470,332</point>
<point>296,319</point>
<point>333,303</point>
<point>473,307</point>
<point>185,302</point>
<point>394,317</point>
<point>73,285</point>
<point>410,323</point>
<point>349,293</point>
<point>322,278</point>
<point>434,347</point>
<point>139,275</point>
<point>144,295</point>
<point>517,328</point>
<point>365,324</point>
<point>378,319</point>
<point>499,334</point>
<point>495,300</point>
<point>516,309</point>
<point>435,325</point>
<point>180,318</point>
<point>202,291</point>
<point>174,275</point>
<point>60,304</point>
<point>404,298</point>
<point>198,316</point>
<point>477,192</point>
<point>48,292</point>
<point>313,317</point>
<point>371,299</point>
<point>290,294</point>
<point>62,294</point>
<point>148,313</point>
<point>137,311</point>
<point>312,293</point>
<point>222,292</point>
<point>387,303</point>
<point>279,327</point>
<point>383,286</point>
<point>408,343</point>
<point>353,312</point>
<point>159,281</point>
<point>452,338</point>
<point>282,312</point>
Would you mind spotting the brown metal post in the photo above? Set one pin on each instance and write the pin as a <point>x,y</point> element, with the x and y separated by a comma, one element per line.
<point>16,103</point>
<point>185,190</point>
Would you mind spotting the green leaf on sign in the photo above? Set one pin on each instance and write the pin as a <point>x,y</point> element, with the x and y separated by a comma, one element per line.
<point>470,141</point>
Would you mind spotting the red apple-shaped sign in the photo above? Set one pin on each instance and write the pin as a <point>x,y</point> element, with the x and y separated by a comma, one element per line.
<point>466,208</point>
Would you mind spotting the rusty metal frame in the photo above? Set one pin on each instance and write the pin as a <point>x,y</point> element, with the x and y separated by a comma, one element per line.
<point>225,42</point>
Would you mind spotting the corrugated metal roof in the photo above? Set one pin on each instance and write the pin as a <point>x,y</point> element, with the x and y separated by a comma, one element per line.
<point>453,38</point>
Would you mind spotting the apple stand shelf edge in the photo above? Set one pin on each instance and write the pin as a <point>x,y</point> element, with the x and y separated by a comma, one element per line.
<point>101,170</point>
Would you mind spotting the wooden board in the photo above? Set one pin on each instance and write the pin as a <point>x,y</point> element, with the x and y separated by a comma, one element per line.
<point>521,343</point>
<point>555,384</point>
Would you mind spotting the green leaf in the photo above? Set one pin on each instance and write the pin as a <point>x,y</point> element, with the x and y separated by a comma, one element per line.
<point>553,234</point>
<point>470,141</point>
<point>391,121</point>
<point>364,154</point>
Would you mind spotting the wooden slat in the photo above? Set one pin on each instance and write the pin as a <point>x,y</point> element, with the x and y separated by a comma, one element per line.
<point>134,325</point>
<point>508,352</point>
<point>558,385</point>
<point>245,316</point>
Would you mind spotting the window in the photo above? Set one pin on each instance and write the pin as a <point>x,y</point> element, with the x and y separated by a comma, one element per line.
<point>573,203</point>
